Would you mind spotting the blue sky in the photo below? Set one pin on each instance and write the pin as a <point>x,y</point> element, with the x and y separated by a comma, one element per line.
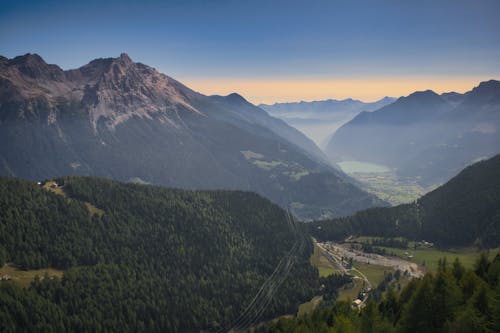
<point>233,42</point>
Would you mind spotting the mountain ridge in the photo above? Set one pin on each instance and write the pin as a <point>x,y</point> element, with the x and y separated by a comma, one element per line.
<point>424,136</point>
<point>118,119</point>
<point>318,119</point>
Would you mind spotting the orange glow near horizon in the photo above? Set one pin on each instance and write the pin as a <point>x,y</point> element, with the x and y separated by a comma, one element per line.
<point>293,90</point>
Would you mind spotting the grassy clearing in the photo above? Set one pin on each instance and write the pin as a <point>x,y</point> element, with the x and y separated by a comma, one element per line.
<point>93,210</point>
<point>431,256</point>
<point>319,261</point>
<point>53,187</point>
<point>296,175</point>
<point>389,187</point>
<point>308,307</point>
<point>374,273</point>
<point>24,278</point>
<point>364,167</point>
<point>251,155</point>
<point>267,165</point>
<point>352,293</point>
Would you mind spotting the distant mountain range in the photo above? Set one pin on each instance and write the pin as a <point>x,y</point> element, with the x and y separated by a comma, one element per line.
<point>123,120</point>
<point>425,136</point>
<point>320,119</point>
<point>463,212</point>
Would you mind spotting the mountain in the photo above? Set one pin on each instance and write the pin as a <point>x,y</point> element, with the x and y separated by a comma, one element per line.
<point>425,136</point>
<point>145,258</point>
<point>463,212</point>
<point>123,120</point>
<point>319,119</point>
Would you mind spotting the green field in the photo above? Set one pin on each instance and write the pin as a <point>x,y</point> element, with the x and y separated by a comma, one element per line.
<point>53,187</point>
<point>296,175</point>
<point>374,273</point>
<point>388,187</point>
<point>59,190</point>
<point>319,261</point>
<point>364,167</point>
<point>350,294</point>
<point>267,165</point>
<point>93,210</point>
<point>429,257</point>
<point>24,278</point>
<point>308,307</point>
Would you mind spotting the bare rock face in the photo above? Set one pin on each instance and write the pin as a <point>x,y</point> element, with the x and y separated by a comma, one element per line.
<point>112,89</point>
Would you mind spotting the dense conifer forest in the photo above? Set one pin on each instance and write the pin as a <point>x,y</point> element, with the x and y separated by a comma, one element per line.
<point>463,212</point>
<point>144,258</point>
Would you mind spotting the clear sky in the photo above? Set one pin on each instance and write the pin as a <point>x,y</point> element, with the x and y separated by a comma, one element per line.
<point>272,50</point>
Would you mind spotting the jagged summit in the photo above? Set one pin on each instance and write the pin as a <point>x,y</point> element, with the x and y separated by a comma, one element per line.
<point>111,88</point>
<point>125,58</point>
<point>32,66</point>
<point>28,58</point>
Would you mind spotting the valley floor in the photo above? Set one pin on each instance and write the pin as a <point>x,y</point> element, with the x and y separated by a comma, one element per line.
<point>370,269</point>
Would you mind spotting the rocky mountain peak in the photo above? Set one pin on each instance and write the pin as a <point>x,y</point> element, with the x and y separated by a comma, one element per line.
<point>486,92</point>
<point>115,89</point>
<point>125,58</point>
<point>118,88</point>
<point>34,67</point>
<point>32,59</point>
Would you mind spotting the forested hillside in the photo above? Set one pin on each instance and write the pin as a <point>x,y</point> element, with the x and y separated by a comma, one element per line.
<point>144,258</point>
<point>464,211</point>
<point>452,300</point>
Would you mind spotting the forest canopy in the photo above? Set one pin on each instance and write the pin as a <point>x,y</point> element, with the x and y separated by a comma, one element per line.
<point>144,258</point>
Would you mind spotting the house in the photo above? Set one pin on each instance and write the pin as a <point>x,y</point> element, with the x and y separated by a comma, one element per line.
<point>357,303</point>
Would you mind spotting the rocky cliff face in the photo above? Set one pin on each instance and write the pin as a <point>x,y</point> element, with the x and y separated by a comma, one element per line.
<point>112,89</point>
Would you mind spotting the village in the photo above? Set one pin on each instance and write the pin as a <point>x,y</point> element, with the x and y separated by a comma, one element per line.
<point>344,257</point>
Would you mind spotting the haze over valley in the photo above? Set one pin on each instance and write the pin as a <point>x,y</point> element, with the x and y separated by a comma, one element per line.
<point>249,167</point>
<point>319,120</point>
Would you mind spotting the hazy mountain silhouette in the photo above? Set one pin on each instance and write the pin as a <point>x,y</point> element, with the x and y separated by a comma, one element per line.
<point>425,136</point>
<point>319,119</point>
